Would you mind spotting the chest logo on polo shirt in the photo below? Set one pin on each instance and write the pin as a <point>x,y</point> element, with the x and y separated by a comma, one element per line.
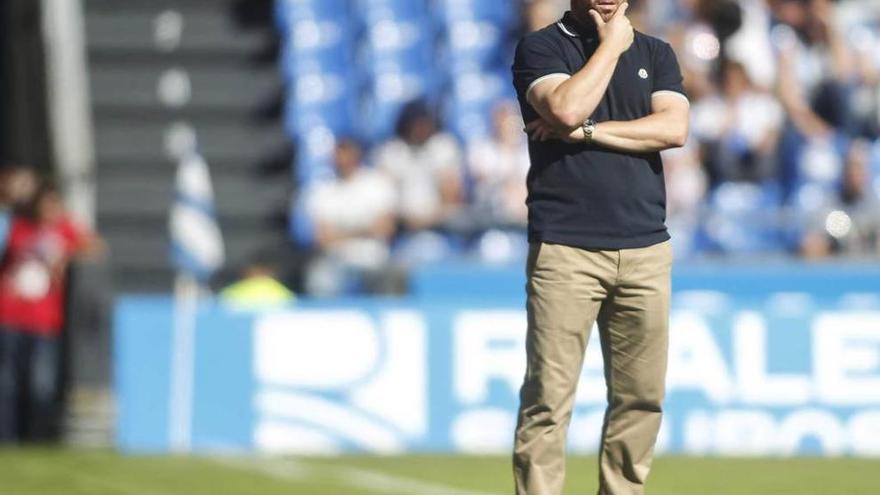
<point>643,73</point>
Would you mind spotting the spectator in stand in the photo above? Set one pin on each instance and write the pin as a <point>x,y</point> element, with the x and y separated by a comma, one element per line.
<point>5,208</point>
<point>738,129</point>
<point>425,165</point>
<point>850,223</point>
<point>42,242</point>
<point>686,186</point>
<point>258,289</point>
<point>816,66</point>
<point>814,84</point>
<point>353,217</point>
<point>498,167</point>
<point>751,45</point>
<point>865,100</point>
<point>17,187</point>
<point>698,33</point>
<point>778,88</point>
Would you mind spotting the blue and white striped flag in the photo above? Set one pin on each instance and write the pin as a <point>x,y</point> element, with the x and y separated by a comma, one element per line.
<point>196,241</point>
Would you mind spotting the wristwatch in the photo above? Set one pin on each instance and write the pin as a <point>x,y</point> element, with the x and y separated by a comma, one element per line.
<point>589,128</point>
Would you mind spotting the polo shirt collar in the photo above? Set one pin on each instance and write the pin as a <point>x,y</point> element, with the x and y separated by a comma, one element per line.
<point>571,27</point>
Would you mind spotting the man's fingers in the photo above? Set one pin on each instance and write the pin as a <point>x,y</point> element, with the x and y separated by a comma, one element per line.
<point>539,133</point>
<point>539,130</point>
<point>531,126</point>
<point>621,11</point>
<point>596,17</point>
<point>534,129</point>
<point>547,133</point>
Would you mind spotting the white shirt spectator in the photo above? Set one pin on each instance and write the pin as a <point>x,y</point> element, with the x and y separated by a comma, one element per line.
<point>751,45</point>
<point>418,173</point>
<point>754,115</point>
<point>353,206</point>
<point>499,174</point>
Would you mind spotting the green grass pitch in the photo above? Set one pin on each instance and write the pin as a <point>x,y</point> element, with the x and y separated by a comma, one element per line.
<point>73,472</point>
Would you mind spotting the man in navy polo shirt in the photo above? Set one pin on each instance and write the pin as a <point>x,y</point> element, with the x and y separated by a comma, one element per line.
<point>600,102</point>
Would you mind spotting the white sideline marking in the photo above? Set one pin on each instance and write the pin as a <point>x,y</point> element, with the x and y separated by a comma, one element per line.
<point>374,481</point>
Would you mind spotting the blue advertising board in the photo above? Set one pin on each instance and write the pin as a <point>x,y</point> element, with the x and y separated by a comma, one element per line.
<point>756,367</point>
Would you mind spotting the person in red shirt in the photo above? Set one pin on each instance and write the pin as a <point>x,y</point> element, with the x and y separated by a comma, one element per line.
<point>41,243</point>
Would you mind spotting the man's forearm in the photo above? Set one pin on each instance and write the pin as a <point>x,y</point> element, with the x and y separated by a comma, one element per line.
<point>656,132</point>
<point>568,104</point>
<point>575,100</point>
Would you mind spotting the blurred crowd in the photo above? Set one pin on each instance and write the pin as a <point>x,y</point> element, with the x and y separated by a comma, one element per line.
<point>783,158</point>
<point>38,241</point>
<point>418,198</point>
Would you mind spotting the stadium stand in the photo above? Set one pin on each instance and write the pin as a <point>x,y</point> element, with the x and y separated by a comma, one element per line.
<point>160,72</point>
<point>755,176</point>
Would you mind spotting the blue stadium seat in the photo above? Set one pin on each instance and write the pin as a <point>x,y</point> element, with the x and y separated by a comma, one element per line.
<point>810,196</point>
<point>328,93</point>
<point>302,228</point>
<point>314,153</point>
<point>408,44</point>
<point>324,45</point>
<point>337,115</point>
<point>387,92</point>
<point>304,65</point>
<point>371,11</point>
<point>818,173</point>
<point>504,13</point>
<point>805,161</point>
<point>474,45</point>
<point>471,99</point>
<point>289,12</point>
<point>743,218</point>
<point>315,88</point>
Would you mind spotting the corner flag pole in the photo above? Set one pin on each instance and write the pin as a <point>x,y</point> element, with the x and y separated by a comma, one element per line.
<point>197,252</point>
<point>186,298</point>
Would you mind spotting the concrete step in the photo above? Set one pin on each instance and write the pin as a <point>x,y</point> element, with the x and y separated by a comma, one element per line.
<point>177,88</point>
<point>153,195</point>
<point>90,417</point>
<point>120,140</point>
<point>166,26</point>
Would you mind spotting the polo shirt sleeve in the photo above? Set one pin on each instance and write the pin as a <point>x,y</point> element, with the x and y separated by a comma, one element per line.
<point>667,73</point>
<point>536,60</point>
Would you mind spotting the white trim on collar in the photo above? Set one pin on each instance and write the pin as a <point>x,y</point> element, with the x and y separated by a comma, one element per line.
<point>567,31</point>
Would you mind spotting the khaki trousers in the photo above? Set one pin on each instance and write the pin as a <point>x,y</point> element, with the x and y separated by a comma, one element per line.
<point>627,293</point>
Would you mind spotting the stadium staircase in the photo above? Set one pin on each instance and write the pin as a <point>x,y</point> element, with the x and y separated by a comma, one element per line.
<point>160,69</point>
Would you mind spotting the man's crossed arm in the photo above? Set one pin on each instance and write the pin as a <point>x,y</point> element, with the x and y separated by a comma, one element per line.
<point>564,104</point>
<point>666,127</point>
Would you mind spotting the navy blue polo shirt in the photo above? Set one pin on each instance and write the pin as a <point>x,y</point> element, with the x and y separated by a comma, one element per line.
<point>584,195</point>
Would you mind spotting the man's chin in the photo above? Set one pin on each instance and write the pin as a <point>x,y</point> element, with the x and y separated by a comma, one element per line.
<point>606,12</point>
